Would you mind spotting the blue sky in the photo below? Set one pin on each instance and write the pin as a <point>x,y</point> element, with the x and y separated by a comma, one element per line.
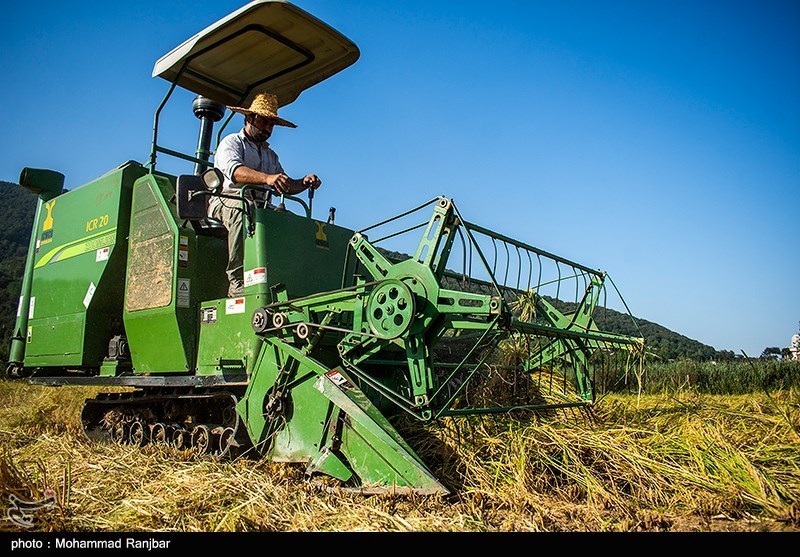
<point>655,140</point>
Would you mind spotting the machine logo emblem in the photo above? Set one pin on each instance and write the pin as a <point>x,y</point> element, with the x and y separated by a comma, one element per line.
<point>47,225</point>
<point>322,238</point>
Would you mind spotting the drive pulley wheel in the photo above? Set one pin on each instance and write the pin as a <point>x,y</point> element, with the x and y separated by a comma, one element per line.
<point>261,320</point>
<point>229,415</point>
<point>390,309</point>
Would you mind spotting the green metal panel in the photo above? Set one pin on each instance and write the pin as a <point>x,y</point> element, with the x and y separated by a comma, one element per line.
<point>160,315</point>
<point>305,255</point>
<point>302,427</point>
<point>227,341</point>
<point>373,448</point>
<point>300,439</point>
<point>285,249</point>
<point>79,260</point>
<point>296,433</point>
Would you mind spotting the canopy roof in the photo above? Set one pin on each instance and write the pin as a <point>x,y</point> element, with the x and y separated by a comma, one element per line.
<point>267,45</point>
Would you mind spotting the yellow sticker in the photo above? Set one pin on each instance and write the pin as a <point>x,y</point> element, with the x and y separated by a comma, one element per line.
<point>322,238</point>
<point>47,225</point>
<point>48,221</point>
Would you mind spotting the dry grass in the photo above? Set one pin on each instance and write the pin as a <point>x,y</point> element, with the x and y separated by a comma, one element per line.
<point>683,462</point>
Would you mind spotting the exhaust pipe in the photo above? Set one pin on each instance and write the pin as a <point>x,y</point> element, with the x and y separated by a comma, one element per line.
<point>208,112</point>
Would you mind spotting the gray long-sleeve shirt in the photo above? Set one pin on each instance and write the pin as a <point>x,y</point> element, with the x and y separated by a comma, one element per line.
<point>236,150</point>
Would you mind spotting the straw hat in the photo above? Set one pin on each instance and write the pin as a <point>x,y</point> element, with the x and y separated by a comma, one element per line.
<point>266,105</point>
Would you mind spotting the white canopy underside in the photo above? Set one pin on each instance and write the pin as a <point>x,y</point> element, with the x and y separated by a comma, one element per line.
<point>267,45</point>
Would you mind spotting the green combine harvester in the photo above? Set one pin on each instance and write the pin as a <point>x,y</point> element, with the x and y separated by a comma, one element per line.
<point>334,339</point>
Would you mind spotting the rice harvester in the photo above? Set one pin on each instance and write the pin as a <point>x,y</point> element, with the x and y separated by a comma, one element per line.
<point>339,333</point>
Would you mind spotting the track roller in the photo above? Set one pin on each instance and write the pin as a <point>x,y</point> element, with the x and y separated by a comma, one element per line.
<point>137,433</point>
<point>119,433</point>
<point>181,439</point>
<point>227,441</point>
<point>159,434</point>
<point>190,420</point>
<point>201,438</point>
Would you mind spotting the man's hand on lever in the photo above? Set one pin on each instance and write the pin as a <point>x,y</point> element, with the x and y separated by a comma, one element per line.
<point>312,181</point>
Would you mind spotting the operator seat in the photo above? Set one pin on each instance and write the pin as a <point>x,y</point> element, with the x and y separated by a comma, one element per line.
<point>210,227</point>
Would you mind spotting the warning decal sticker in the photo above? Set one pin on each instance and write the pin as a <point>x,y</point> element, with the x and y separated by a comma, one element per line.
<point>234,305</point>
<point>339,380</point>
<point>184,289</point>
<point>256,276</point>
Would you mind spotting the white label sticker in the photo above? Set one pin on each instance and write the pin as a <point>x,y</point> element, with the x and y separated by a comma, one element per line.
<point>183,252</point>
<point>234,305</point>
<point>184,288</point>
<point>256,276</point>
<point>89,293</point>
<point>102,254</point>
<point>208,315</point>
<point>30,307</point>
<point>19,307</point>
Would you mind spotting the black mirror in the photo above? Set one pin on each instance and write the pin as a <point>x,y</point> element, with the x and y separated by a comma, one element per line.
<point>191,197</point>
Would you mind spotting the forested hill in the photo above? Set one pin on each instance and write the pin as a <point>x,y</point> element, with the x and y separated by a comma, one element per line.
<point>661,341</point>
<point>15,230</point>
<point>19,207</point>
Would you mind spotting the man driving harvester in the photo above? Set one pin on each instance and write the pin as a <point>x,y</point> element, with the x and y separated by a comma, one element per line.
<point>246,158</point>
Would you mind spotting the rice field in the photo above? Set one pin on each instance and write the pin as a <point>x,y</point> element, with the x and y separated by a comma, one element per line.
<point>733,377</point>
<point>681,461</point>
